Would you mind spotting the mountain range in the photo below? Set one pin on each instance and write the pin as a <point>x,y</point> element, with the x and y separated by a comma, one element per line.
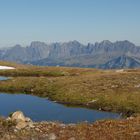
<point>105,54</point>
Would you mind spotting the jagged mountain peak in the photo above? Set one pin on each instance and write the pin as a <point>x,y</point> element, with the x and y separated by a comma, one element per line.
<point>17,46</point>
<point>125,42</point>
<point>37,44</point>
<point>106,42</point>
<point>73,43</point>
<point>105,54</point>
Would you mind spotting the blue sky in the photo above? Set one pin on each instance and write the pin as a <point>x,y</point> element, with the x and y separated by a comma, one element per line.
<point>23,21</point>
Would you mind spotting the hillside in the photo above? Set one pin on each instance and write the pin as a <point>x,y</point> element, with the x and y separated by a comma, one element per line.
<point>105,90</point>
<point>122,62</point>
<point>112,90</point>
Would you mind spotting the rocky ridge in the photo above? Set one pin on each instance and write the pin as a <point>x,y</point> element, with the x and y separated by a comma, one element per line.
<point>105,54</point>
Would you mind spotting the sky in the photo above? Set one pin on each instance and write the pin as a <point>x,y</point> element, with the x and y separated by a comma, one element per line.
<point>23,21</point>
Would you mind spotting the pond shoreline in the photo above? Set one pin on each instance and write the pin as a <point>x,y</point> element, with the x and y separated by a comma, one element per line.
<point>41,109</point>
<point>87,106</point>
<point>81,105</point>
<point>69,104</point>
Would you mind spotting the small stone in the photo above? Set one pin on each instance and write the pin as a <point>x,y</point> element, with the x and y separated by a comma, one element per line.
<point>62,125</point>
<point>119,71</point>
<point>15,130</point>
<point>137,86</point>
<point>106,108</point>
<point>130,118</point>
<point>92,101</point>
<point>8,119</point>
<point>51,136</point>
<point>136,133</point>
<point>72,138</point>
<point>32,90</point>
<point>30,124</point>
<point>37,129</point>
<point>27,119</point>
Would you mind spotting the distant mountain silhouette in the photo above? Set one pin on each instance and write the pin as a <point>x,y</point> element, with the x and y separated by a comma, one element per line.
<point>106,55</point>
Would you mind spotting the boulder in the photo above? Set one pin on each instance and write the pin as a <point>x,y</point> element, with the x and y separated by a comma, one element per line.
<point>18,116</point>
<point>21,120</point>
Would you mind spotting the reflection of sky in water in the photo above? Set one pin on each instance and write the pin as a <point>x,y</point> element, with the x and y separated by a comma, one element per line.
<point>3,78</point>
<point>39,109</point>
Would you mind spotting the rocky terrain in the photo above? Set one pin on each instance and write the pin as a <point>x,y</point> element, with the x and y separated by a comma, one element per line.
<point>19,127</point>
<point>105,54</point>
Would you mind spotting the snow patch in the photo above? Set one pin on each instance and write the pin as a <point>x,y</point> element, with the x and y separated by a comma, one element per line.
<point>6,68</point>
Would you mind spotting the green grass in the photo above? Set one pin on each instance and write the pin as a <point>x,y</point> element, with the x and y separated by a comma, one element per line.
<point>118,92</point>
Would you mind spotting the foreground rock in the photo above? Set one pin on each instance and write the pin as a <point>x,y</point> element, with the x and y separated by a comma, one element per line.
<point>21,120</point>
<point>125,129</point>
<point>18,116</point>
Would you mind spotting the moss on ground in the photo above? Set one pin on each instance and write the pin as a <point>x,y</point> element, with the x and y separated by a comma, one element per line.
<point>99,89</point>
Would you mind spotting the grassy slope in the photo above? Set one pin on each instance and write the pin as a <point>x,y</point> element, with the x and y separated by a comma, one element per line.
<point>113,91</point>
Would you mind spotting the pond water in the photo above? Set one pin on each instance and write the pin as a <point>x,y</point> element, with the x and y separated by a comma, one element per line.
<point>40,109</point>
<point>3,78</point>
